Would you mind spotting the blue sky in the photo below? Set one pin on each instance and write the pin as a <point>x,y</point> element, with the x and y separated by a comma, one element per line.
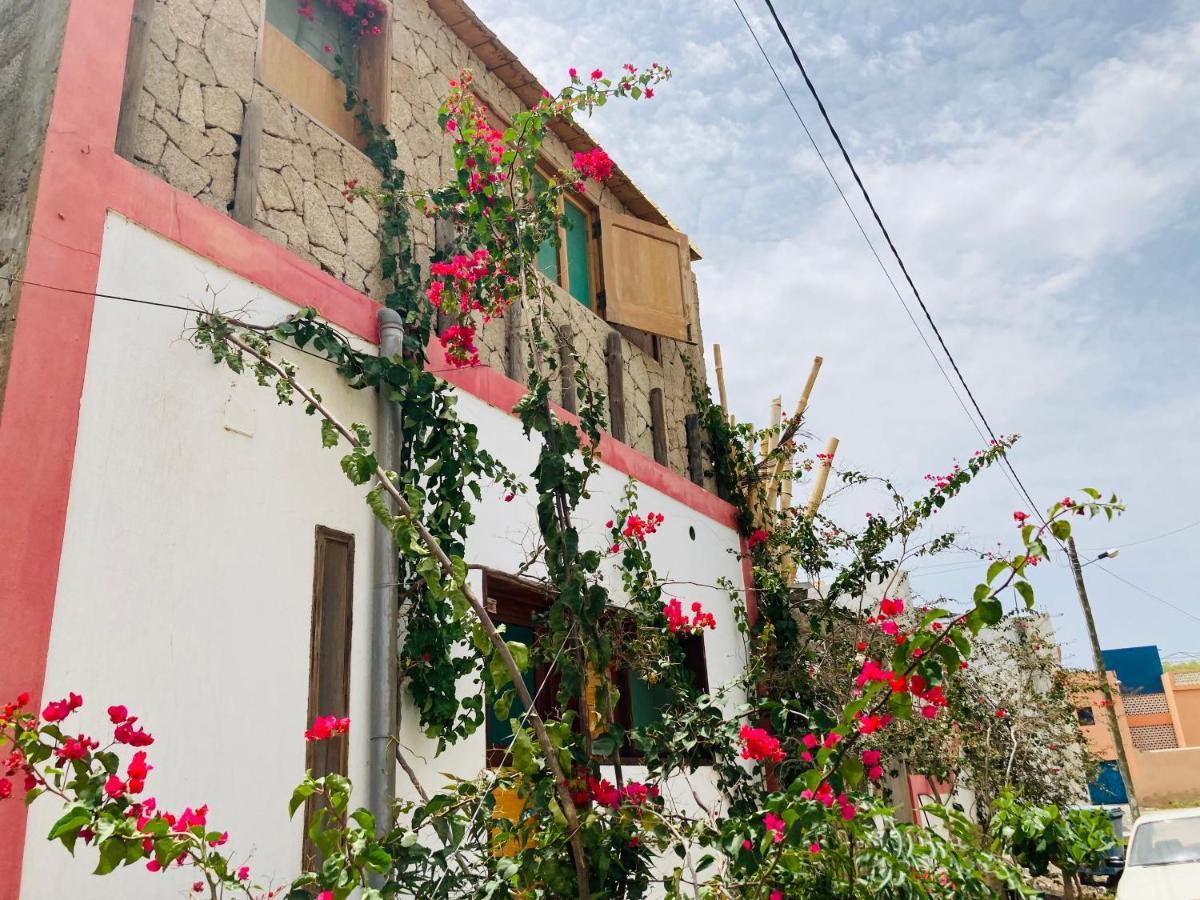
<point>1036,163</point>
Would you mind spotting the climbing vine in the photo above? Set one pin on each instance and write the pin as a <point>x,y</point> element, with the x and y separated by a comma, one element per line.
<point>797,745</point>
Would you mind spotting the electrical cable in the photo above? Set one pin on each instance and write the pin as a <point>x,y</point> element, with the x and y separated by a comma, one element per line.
<point>891,245</point>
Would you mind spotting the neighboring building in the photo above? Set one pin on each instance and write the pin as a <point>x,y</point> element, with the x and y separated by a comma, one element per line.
<point>1158,717</point>
<point>163,519</point>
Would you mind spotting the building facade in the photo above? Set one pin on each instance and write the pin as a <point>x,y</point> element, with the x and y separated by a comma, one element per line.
<point>172,534</point>
<point>1158,718</point>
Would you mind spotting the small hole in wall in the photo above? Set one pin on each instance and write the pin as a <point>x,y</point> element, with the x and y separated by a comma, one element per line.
<point>692,532</point>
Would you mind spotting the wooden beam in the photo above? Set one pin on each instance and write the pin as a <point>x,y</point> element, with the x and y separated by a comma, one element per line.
<point>658,426</point>
<point>135,77</point>
<point>719,368</point>
<point>802,405</point>
<point>566,366</point>
<point>245,186</point>
<point>695,448</point>
<point>818,491</point>
<point>614,356</point>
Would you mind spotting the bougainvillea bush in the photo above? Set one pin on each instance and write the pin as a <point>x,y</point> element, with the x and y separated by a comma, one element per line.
<point>797,746</point>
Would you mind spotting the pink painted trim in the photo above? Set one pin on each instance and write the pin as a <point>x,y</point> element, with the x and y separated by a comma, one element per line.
<point>41,405</point>
<point>81,180</point>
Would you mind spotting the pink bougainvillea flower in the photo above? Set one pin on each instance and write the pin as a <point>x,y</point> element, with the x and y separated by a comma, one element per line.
<point>775,825</point>
<point>756,538</point>
<point>604,793</point>
<point>243,873</point>
<point>891,607</point>
<point>117,714</point>
<point>325,727</point>
<point>114,787</point>
<point>758,744</point>
<point>870,757</point>
<point>776,895</point>
<point>1020,517</point>
<point>746,845</point>
<point>814,848</point>
<point>597,74</point>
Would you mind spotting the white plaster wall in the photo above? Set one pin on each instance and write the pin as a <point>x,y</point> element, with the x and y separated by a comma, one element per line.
<point>186,580</point>
<point>185,587</point>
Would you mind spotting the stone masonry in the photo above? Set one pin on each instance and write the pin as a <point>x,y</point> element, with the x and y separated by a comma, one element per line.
<point>199,78</point>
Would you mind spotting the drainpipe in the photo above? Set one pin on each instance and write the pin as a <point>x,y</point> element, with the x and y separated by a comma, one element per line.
<point>381,780</point>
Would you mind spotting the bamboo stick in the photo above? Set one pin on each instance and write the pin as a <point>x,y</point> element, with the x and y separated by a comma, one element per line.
<point>802,405</point>
<point>818,491</point>
<point>719,367</point>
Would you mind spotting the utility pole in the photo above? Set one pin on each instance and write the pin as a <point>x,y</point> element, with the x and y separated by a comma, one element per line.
<point>1122,761</point>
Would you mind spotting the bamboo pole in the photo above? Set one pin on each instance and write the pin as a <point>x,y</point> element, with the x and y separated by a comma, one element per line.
<point>802,405</point>
<point>719,367</point>
<point>818,491</point>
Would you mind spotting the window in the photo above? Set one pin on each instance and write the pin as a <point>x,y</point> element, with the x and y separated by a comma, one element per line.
<point>569,258</point>
<point>1085,715</point>
<point>293,61</point>
<point>518,606</point>
<point>641,703</point>
<point>329,666</point>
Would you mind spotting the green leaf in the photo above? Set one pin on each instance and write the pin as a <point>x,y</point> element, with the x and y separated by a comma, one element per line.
<point>1025,589</point>
<point>1061,529</point>
<point>112,854</point>
<point>995,569</point>
<point>329,434</point>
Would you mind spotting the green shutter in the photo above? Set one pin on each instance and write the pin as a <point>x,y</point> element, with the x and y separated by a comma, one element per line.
<point>499,732</point>
<point>646,701</point>
<point>578,235</point>
<point>547,255</point>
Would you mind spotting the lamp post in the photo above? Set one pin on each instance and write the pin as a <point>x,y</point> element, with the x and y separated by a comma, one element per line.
<point>1102,671</point>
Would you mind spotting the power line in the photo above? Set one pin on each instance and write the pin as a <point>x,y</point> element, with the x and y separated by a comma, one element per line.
<point>1159,537</point>
<point>1142,590</point>
<point>892,246</point>
<point>866,237</point>
<point>187,309</point>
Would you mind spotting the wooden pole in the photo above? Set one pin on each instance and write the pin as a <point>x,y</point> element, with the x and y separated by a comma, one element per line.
<point>818,491</point>
<point>808,386</point>
<point>720,370</point>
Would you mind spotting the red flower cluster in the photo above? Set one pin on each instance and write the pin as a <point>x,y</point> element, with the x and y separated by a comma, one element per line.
<point>595,164</point>
<point>678,621</point>
<point>757,744</point>
<point>1020,517</point>
<point>325,727</point>
<point>825,796</point>
<point>756,538</point>
<point>604,793</point>
<point>775,825</point>
<point>76,748</point>
<point>637,528</point>
<point>363,12</point>
<point>125,733</point>
<point>870,761</point>
<point>459,343</point>
<point>58,710</point>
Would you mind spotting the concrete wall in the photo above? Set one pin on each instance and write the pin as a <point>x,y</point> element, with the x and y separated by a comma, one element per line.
<point>200,76</point>
<point>1166,777</point>
<point>185,583</point>
<point>30,44</point>
<point>1183,699</point>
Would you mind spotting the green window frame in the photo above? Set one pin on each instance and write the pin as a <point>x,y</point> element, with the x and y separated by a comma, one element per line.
<point>577,225</point>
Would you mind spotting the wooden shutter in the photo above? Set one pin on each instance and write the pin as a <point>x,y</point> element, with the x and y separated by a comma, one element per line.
<point>329,667</point>
<point>645,275</point>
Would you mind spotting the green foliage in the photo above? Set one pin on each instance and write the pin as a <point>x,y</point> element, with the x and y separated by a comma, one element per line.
<point>1041,836</point>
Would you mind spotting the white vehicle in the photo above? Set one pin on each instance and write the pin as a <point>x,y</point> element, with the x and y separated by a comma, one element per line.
<point>1163,858</point>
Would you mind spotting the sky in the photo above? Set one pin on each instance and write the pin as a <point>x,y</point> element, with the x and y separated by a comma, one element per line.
<point>1036,165</point>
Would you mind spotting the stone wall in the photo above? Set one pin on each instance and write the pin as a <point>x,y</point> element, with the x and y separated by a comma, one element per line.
<point>199,80</point>
<point>30,44</point>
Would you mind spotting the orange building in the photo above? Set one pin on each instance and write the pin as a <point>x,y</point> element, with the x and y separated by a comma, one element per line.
<point>1159,726</point>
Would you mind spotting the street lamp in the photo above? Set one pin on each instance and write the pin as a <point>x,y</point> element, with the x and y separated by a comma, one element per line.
<point>1107,554</point>
<point>1102,670</point>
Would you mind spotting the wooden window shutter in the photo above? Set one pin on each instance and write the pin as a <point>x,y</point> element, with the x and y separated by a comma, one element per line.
<point>329,667</point>
<point>645,275</point>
